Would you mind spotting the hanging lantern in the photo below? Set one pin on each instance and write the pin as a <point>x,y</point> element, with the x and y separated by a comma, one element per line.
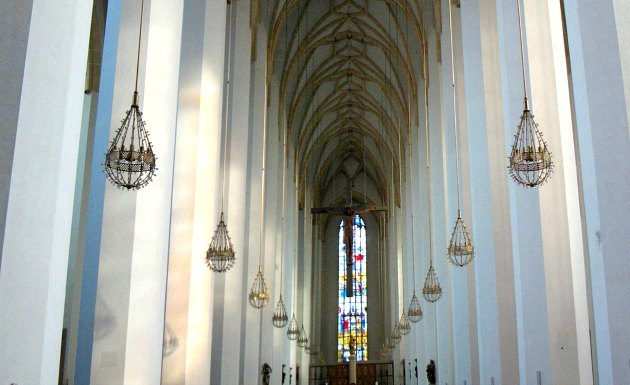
<point>293,331</point>
<point>431,290</point>
<point>415,311</point>
<point>259,294</point>
<point>302,339</point>
<point>220,255</point>
<point>130,161</point>
<point>396,337</point>
<point>530,160</point>
<point>404,326</point>
<point>460,247</point>
<point>280,318</point>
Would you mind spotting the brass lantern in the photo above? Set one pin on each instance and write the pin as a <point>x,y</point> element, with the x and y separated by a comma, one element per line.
<point>415,311</point>
<point>530,160</point>
<point>302,339</point>
<point>280,318</point>
<point>460,248</point>
<point>432,291</point>
<point>259,294</point>
<point>396,336</point>
<point>403,325</point>
<point>293,331</point>
<point>220,255</point>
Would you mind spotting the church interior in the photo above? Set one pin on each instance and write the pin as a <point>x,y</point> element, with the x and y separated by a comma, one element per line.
<point>314,192</point>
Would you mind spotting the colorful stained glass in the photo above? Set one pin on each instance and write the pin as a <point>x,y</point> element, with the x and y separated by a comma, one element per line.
<point>352,311</point>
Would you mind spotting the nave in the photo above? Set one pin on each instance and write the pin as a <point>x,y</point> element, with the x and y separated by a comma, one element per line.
<point>194,189</point>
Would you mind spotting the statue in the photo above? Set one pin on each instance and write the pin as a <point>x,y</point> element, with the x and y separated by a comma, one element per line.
<point>416,360</point>
<point>431,372</point>
<point>353,348</point>
<point>284,374</point>
<point>266,371</point>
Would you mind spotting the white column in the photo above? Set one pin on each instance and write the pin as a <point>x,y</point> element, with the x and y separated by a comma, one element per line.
<point>243,194</point>
<point>418,335</point>
<point>14,28</point>
<point>149,259</point>
<point>529,276</point>
<point>621,17</point>
<point>305,268</point>
<point>559,203</point>
<point>263,340</point>
<point>40,201</point>
<point>136,226</point>
<point>599,64</point>
<point>196,194</point>
<point>495,274</point>
<point>438,315</point>
<point>487,178</point>
<point>256,346</point>
<point>459,289</point>
<point>419,245</point>
<point>114,247</point>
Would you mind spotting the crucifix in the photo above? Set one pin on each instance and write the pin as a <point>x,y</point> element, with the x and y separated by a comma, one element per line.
<point>347,214</point>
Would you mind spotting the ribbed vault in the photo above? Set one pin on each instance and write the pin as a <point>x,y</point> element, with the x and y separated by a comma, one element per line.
<point>347,83</point>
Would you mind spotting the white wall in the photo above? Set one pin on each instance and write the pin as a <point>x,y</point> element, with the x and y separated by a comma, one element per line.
<point>40,201</point>
<point>14,26</point>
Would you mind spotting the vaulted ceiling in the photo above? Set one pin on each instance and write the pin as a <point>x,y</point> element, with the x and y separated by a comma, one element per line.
<point>350,79</point>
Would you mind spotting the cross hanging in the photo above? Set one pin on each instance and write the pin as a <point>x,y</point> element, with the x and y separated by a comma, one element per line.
<point>347,214</point>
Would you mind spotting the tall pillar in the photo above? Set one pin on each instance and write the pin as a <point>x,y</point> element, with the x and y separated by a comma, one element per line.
<point>80,361</point>
<point>529,277</point>
<point>418,243</point>
<point>559,202</point>
<point>151,234</point>
<point>439,345</point>
<point>243,193</point>
<point>14,26</point>
<point>487,176</point>
<point>304,285</point>
<point>599,71</point>
<point>197,190</point>
<point>262,349</point>
<point>135,242</point>
<point>460,300</point>
<point>546,221</point>
<point>42,174</point>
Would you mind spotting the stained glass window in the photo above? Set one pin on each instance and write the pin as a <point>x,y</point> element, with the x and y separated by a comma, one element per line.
<point>352,311</point>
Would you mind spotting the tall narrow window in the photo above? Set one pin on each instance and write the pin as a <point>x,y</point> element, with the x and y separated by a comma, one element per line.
<point>352,311</point>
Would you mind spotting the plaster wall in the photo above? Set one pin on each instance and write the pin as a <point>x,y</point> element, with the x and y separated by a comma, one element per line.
<point>14,26</point>
<point>599,74</point>
<point>196,196</point>
<point>34,266</point>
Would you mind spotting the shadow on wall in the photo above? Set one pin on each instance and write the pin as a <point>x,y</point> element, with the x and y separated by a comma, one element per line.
<point>171,342</point>
<point>104,321</point>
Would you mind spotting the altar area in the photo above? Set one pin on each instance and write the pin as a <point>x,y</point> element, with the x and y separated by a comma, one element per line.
<point>368,373</point>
